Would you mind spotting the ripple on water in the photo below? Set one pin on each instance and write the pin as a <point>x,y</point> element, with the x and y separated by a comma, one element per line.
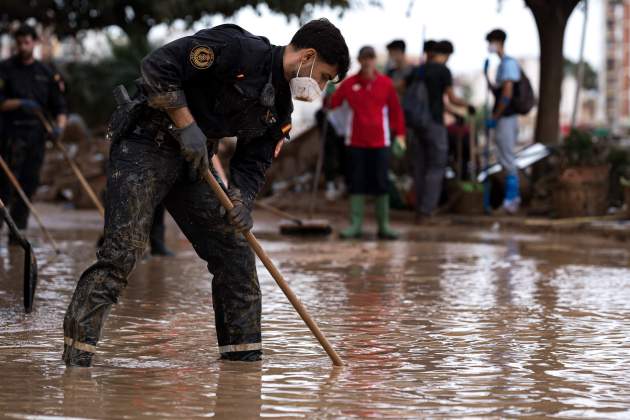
<point>497,329</point>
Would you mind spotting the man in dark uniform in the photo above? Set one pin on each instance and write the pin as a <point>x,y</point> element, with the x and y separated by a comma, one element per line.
<point>27,86</point>
<point>217,83</point>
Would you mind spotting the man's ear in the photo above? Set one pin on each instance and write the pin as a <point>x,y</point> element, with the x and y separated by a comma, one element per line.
<point>308,54</point>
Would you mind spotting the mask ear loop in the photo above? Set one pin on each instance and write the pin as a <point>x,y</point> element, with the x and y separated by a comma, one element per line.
<point>313,66</point>
<point>298,70</point>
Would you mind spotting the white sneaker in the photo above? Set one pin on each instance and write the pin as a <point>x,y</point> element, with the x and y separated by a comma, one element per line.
<point>331,191</point>
<point>512,206</point>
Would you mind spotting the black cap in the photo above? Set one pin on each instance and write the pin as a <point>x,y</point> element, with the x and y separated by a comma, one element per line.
<point>444,47</point>
<point>496,35</point>
<point>397,44</point>
<point>367,52</point>
<point>429,46</point>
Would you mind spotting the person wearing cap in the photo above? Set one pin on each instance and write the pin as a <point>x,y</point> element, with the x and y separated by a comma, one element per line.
<point>375,110</point>
<point>432,152</point>
<point>504,118</point>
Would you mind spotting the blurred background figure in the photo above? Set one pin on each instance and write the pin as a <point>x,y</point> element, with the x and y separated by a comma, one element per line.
<point>27,88</point>
<point>333,124</point>
<point>432,151</point>
<point>504,119</point>
<point>398,68</point>
<point>375,109</point>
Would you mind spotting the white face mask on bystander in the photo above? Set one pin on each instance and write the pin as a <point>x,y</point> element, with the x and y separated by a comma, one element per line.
<point>305,88</point>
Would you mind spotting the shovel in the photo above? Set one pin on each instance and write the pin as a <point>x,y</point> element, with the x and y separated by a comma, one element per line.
<point>30,262</point>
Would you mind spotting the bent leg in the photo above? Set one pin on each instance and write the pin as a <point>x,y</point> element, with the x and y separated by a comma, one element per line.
<point>437,156</point>
<point>28,177</point>
<point>138,179</point>
<point>236,294</point>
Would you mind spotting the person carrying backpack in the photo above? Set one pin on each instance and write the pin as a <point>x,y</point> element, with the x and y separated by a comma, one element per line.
<point>423,104</point>
<point>513,96</point>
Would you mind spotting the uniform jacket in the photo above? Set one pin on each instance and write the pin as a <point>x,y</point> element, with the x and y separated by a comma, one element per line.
<point>33,81</point>
<point>220,74</point>
<point>374,110</point>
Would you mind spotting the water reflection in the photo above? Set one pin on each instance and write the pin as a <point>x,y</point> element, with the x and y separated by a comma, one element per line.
<point>467,327</point>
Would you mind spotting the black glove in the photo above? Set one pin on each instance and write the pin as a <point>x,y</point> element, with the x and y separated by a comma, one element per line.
<point>193,145</point>
<point>471,110</point>
<point>240,216</point>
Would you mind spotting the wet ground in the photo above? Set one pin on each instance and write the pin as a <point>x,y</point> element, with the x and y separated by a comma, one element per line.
<point>448,322</point>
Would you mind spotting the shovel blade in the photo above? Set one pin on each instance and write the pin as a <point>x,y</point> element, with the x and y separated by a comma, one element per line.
<point>30,277</point>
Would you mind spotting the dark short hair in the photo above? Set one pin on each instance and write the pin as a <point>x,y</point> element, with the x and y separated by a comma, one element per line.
<point>429,46</point>
<point>444,47</point>
<point>25,30</point>
<point>327,40</point>
<point>496,35</point>
<point>397,44</point>
<point>367,51</point>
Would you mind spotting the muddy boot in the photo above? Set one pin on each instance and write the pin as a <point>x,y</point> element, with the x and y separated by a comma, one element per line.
<point>243,356</point>
<point>382,217</point>
<point>357,207</point>
<point>159,249</point>
<point>74,357</point>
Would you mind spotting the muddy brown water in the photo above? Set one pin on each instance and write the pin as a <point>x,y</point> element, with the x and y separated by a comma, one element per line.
<point>445,323</point>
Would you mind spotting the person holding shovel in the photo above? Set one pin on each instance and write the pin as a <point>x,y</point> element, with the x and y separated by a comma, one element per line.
<point>219,82</point>
<point>27,86</point>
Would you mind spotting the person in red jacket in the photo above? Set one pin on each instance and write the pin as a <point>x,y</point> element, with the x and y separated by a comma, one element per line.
<point>374,112</point>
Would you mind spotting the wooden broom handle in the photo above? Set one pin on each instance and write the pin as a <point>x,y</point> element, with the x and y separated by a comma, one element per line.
<point>277,276</point>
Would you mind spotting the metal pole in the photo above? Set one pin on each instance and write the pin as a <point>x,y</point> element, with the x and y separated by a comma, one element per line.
<point>580,69</point>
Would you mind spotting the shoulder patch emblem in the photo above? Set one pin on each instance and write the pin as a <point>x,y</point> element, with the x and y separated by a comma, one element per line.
<point>201,57</point>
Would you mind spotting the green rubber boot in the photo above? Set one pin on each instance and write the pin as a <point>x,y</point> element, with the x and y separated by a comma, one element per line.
<point>382,217</point>
<point>357,207</point>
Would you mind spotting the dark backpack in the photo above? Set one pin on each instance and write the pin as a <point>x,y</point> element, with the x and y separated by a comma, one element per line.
<point>415,103</point>
<point>523,99</point>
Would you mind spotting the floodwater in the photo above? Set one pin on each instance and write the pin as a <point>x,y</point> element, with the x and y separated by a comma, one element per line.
<point>444,323</point>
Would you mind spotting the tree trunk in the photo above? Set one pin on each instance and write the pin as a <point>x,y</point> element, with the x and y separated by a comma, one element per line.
<point>551,19</point>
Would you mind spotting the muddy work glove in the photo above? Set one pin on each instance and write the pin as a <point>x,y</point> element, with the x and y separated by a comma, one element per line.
<point>193,146</point>
<point>240,216</point>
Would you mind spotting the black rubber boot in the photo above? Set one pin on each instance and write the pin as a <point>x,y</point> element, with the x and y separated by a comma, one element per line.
<point>76,358</point>
<point>156,238</point>
<point>243,356</point>
<point>159,249</point>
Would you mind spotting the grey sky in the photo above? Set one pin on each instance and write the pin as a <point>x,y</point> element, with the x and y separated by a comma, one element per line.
<point>464,22</point>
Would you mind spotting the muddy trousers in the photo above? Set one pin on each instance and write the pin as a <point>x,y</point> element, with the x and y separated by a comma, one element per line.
<point>141,175</point>
<point>23,150</point>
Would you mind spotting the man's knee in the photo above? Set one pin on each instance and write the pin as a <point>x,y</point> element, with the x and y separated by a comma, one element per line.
<point>237,259</point>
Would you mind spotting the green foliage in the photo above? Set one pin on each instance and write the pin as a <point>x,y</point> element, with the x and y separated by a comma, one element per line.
<point>581,148</point>
<point>590,74</point>
<point>91,84</point>
<point>136,17</point>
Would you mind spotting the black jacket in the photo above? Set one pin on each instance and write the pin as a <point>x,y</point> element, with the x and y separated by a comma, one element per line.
<point>220,74</point>
<point>33,81</point>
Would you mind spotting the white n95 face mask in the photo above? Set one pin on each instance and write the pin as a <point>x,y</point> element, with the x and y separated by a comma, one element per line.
<point>305,88</point>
